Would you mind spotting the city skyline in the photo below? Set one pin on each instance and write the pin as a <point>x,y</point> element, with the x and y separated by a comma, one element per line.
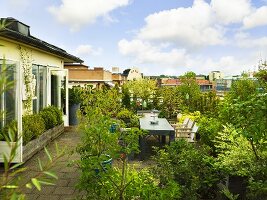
<point>159,38</point>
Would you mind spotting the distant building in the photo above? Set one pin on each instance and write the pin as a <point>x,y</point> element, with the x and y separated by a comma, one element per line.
<point>117,77</point>
<point>81,75</point>
<point>223,85</point>
<point>132,74</point>
<point>204,85</point>
<point>201,77</point>
<point>214,75</point>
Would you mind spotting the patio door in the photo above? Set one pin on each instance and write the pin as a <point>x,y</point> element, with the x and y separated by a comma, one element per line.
<point>57,91</point>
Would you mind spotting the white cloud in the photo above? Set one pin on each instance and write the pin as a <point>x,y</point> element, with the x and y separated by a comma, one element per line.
<point>178,61</point>
<point>257,18</point>
<point>231,11</point>
<point>173,38</point>
<point>192,26</point>
<point>85,50</point>
<point>81,12</point>
<point>144,52</point>
<point>244,40</point>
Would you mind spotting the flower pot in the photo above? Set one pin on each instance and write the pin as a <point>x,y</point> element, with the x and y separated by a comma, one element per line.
<point>105,164</point>
<point>73,119</point>
<point>238,185</point>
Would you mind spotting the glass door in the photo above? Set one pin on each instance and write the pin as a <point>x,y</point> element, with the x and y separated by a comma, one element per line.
<point>58,91</point>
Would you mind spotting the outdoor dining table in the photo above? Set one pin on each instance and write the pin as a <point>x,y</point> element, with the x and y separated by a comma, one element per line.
<point>161,129</point>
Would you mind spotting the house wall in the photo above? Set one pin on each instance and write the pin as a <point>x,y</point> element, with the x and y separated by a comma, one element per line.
<point>11,52</point>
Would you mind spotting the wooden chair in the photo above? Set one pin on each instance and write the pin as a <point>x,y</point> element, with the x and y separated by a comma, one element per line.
<point>187,132</point>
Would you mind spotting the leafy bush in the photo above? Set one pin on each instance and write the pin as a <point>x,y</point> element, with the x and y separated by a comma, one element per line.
<point>128,117</point>
<point>75,95</point>
<point>33,126</point>
<point>49,119</point>
<point>124,114</point>
<point>189,166</point>
<point>57,112</point>
<point>208,130</point>
<point>52,116</point>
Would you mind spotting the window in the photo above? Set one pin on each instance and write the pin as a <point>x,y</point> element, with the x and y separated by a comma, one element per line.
<point>8,92</point>
<point>39,74</point>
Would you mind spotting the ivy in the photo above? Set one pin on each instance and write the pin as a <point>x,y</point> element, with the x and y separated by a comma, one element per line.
<point>26,62</point>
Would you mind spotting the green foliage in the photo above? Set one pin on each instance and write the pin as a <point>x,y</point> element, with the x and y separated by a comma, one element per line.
<point>128,117</point>
<point>171,101</point>
<point>126,98</point>
<point>189,91</point>
<point>206,103</point>
<point>139,91</point>
<point>227,193</point>
<point>33,126</point>
<point>52,117</point>
<point>57,112</point>
<point>235,155</point>
<point>242,89</point>
<point>75,95</point>
<point>10,182</point>
<point>124,114</point>
<point>12,126</point>
<point>208,130</point>
<point>262,77</point>
<point>107,101</point>
<point>191,167</point>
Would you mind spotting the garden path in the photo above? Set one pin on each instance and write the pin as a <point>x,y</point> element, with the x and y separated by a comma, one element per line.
<point>68,176</point>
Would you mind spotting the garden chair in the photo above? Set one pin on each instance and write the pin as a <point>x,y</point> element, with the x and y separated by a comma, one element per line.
<point>187,132</point>
<point>184,124</point>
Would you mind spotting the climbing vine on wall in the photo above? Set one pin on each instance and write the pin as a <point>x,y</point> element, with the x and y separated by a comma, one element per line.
<point>26,61</point>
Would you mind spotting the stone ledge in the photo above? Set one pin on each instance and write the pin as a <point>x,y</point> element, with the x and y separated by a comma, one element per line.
<point>39,143</point>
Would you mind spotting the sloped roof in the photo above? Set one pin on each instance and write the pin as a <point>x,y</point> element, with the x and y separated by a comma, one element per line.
<point>37,43</point>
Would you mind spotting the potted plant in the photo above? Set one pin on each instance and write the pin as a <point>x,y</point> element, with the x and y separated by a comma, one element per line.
<point>74,104</point>
<point>98,141</point>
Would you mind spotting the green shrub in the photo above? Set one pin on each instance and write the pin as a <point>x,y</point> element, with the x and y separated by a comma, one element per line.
<point>33,126</point>
<point>189,166</point>
<point>49,118</point>
<point>57,112</point>
<point>52,116</point>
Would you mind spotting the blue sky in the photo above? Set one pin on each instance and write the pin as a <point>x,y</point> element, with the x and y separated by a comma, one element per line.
<point>157,36</point>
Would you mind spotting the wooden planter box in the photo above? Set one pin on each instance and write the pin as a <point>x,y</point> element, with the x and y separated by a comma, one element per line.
<point>33,146</point>
<point>39,143</point>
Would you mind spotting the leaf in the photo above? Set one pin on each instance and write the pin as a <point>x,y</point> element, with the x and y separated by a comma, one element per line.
<point>18,171</point>
<point>5,162</point>
<point>29,185</point>
<point>48,154</point>
<point>16,165</point>
<point>40,164</point>
<point>46,183</point>
<point>51,174</point>
<point>36,183</point>
<point>10,186</point>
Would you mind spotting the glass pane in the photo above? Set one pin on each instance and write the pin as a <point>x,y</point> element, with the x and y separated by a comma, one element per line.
<point>63,94</point>
<point>8,97</point>
<point>35,75</point>
<point>42,86</point>
<point>54,90</point>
